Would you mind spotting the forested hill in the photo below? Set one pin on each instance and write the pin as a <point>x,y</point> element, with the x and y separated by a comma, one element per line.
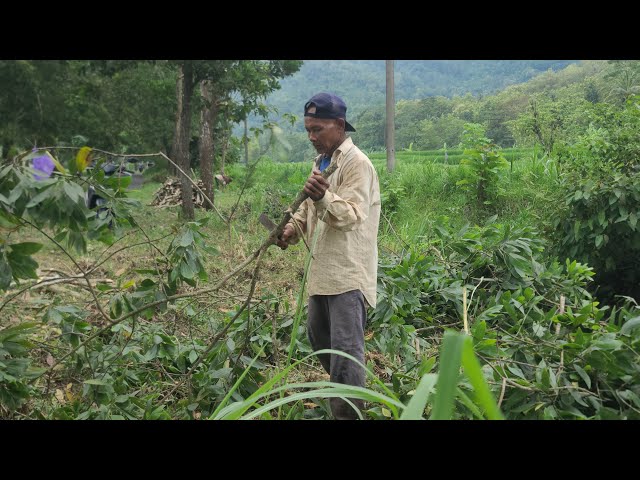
<point>362,82</point>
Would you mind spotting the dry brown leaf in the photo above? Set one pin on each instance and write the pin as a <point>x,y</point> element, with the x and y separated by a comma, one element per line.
<point>68,392</point>
<point>59,395</point>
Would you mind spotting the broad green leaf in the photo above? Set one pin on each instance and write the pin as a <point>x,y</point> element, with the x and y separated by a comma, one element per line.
<point>96,381</point>
<point>426,365</point>
<point>186,270</point>
<point>479,330</point>
<point>583,375</point>
<point>608,344</point>
<point>415,407</point>
<point>5,273</point>
<point>599,239</point>
<point>186,239</point>
<point>25,248</point>
<point>193,356</point>
<point>516,371</point>
<point>630,325</point>
<point>73,191</point>
<point>473,371</point>
<point>601,218</point>
<point>42,196</point>
<point>448,375</point>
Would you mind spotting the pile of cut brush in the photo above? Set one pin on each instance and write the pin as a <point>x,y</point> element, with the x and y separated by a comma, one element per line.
<point>170,194</point>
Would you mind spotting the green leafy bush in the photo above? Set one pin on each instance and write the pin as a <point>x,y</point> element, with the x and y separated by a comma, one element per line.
<point>600,222</point>
<point>484,160</point>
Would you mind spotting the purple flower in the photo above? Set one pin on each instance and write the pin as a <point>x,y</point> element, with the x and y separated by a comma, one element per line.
<point>44,165</point>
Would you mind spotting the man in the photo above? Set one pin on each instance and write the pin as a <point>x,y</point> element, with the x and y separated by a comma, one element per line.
<point>345,209</point>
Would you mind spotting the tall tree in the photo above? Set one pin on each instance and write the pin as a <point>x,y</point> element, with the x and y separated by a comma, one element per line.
<point>236,88</point>
<point>184,91</point>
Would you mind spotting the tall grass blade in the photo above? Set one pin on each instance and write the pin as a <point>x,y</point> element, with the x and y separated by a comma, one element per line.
<point>415,407</point>
<point>448,375</point>
<point>473,371</point>
<point>237,384</point>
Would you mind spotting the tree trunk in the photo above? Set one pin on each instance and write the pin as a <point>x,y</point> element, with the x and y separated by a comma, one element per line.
<point>208,117</point>
<point>183,129</point>
<point>390,130</point>
<point>178,125</point>
<point>246,143</point>
<point>225,145</point>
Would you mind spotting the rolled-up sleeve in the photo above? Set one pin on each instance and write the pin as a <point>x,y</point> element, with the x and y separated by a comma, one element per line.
<point>348,207</point>
<point>300,217</point>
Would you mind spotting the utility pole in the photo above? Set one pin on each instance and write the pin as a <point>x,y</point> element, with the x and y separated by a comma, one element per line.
<point>245,139</point>
<point>390,130</point>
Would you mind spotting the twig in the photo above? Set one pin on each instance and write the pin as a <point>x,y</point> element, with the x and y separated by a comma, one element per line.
<point>251,169</point>
<point>25,153</point>
<point>55,270</point>
<point>432,327</point>
<point>561,312</point>
<point>96,265</point>
<point>222,332</point>
<point>274,339</point>
<point>301,233</point>
<point>504,386</point>
<point>109,247</point>
<point>474,290</point>
<point>84,275</point>
<point>394,230</point>
<point>59,291</point>
<point>196,186</point>
<point>464,309</point>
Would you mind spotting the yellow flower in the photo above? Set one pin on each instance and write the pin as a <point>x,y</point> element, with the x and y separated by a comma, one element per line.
<point>82,158</point>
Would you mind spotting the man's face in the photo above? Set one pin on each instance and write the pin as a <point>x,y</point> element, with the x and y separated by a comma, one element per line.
<point>324,133</point>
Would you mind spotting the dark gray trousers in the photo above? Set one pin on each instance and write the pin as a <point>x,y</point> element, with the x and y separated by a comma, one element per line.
<point>338,322</point>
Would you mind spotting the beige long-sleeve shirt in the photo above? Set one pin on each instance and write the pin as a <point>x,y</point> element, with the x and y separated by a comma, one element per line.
<point>345,256</point>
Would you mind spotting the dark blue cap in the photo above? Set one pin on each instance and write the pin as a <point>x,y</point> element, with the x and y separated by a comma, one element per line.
<point>328,105</point>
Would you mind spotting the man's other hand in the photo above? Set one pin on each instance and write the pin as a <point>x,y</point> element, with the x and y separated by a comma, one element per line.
<point>316,185</point>
<point>287,234</point>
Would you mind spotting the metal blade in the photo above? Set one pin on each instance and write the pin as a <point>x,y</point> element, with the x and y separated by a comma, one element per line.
<point>266,222</point>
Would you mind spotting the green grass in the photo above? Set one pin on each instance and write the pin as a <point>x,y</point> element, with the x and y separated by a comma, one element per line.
<point>528,193</point>
<point>437,156</point>
<point>145,192</point>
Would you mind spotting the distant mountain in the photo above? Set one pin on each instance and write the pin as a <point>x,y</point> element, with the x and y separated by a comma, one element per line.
<point>362,82</point>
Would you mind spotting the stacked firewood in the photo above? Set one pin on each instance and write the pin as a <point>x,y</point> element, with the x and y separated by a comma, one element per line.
<point>170,194</point>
